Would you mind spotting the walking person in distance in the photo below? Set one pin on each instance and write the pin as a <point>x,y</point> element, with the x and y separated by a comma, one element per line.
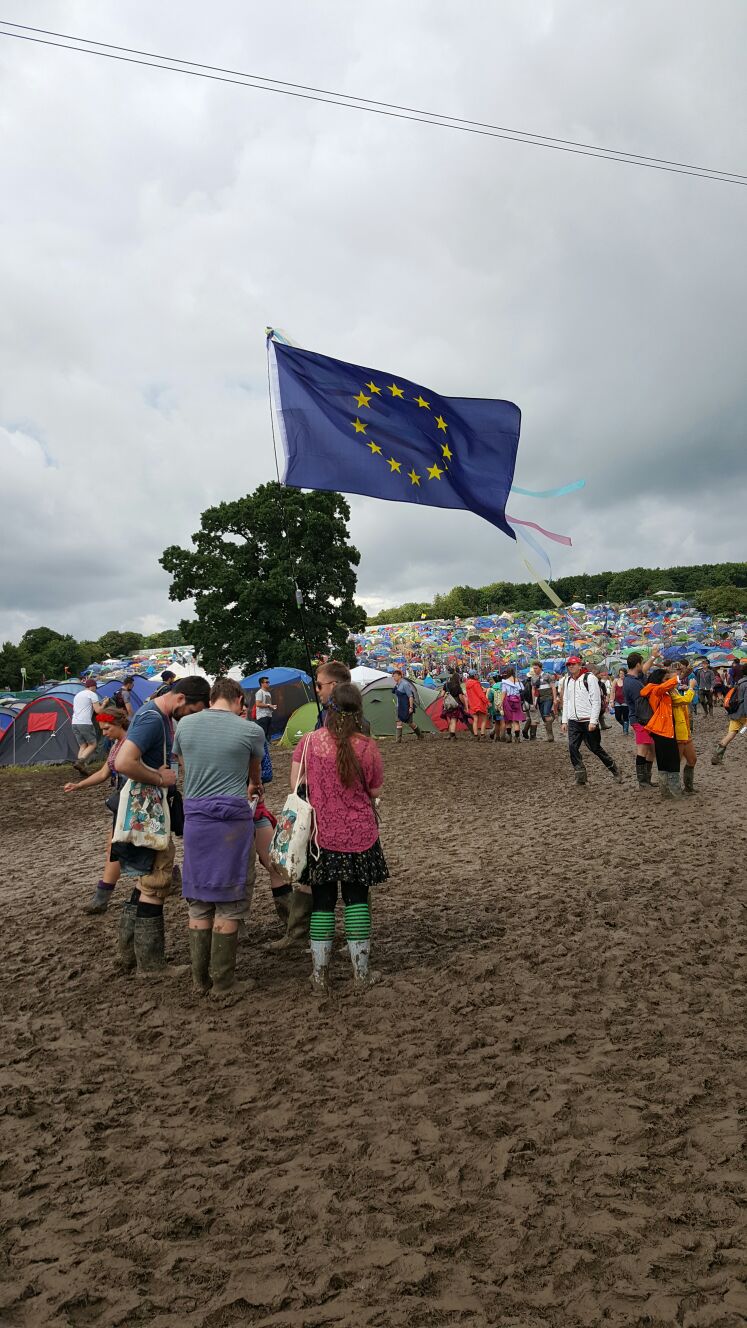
<point>582,702</point>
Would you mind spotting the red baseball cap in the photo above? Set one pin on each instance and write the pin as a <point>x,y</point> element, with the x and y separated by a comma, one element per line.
<point>573,659</point>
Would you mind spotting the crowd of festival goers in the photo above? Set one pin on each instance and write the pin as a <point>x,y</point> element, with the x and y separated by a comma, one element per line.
<point>214,741</point>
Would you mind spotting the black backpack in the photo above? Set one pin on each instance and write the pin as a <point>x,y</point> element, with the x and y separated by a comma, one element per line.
<point>734,700</point>
<point>643,711</point>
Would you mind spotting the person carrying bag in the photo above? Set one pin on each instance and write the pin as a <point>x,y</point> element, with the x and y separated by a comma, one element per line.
<point>142,840</point>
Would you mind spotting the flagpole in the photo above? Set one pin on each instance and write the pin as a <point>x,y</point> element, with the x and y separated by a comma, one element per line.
<point>298,597</point>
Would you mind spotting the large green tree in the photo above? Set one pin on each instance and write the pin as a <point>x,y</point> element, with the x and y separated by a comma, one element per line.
<point>119,645</point>
<point>247,559</point>
<point>723,601</point>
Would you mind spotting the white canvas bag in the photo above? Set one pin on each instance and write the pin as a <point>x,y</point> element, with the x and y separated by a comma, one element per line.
<point>295,833</point>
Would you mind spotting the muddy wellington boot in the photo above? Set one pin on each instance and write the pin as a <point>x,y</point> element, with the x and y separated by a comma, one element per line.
<point>549,730</point>
<point>223,963</point>
<point>199,952</point>
<point>125,937</point>
<point>299,918</point>
<point>664,789</point>
<point>321,954</point>
<point>282,902</point>
<point>360,952</point>
<point>517,737</point>
<point>150,942</point>
<point>688,778</point>
<point>718,755</point>
<point>399,735</point>
<point>579,774</point>
<point>675,788</point>
<point>100,900</point>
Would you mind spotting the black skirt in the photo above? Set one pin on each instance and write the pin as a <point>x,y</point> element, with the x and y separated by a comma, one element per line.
<point>366,869</point>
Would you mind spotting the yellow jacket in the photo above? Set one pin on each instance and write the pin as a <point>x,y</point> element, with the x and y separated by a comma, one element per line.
<point>681,713</point>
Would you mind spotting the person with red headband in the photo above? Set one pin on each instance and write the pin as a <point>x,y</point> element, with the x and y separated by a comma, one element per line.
<point>113,723</point>
<point>582,704</point>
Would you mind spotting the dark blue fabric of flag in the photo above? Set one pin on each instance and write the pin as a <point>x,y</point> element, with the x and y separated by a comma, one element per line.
<point>359,430</point>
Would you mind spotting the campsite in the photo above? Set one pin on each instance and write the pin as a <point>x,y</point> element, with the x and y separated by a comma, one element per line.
<point>532,1118</point>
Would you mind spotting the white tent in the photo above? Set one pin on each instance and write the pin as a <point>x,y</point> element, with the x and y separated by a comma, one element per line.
<point>363,677</point>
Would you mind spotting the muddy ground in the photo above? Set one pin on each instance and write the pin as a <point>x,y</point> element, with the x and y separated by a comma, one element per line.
<point>533,1120</point>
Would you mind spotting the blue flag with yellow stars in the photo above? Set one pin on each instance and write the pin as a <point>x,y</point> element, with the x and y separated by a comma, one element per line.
<point>358,430</point>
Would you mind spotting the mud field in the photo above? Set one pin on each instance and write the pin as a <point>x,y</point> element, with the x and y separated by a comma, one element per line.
<point>532,1120</point>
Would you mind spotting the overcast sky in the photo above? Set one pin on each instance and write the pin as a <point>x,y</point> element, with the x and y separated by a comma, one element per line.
<point>152,225</point>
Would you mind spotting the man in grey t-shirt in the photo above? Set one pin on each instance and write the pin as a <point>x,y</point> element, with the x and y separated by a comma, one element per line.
<point>221,755</point>
<point>264,708</point>
<point>221,752</point>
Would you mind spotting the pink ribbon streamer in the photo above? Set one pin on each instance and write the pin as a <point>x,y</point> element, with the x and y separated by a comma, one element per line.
<point>559,539</point>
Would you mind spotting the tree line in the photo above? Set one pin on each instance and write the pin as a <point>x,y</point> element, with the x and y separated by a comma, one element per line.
<point>46,654</point>
<point>718,589</point>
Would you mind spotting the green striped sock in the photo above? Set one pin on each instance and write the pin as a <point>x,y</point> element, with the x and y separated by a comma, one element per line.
<point>322,926</point>
<point>357,922</point>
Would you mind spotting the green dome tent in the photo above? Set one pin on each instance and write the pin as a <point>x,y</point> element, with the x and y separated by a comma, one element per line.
<point>381,712</point>
<point>378,708</point>
<point>303,720</point>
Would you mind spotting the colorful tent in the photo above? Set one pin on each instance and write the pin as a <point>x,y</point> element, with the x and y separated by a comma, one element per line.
<point>303,720</point>
<point>41,735</point>
<point>142,689</point>
<point>381,712</point>
<point>291,689</point>
<point>437,719</point>
<point>601,632</point>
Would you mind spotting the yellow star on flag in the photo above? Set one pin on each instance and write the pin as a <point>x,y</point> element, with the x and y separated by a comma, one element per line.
<point>414,477</point>
<point>362,399</point>
<point>421,402</point>
<point>373,388</point>
<point>394,465</point>
<point>374,448</point>
<point>358,426</point>
<point>434,472</point>
<point>441,423</point>
<point>395,391</point>
<point>446,451</point>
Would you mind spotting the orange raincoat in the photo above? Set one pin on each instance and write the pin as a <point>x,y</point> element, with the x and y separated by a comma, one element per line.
<point>477,701</point>
<point>660,700</point>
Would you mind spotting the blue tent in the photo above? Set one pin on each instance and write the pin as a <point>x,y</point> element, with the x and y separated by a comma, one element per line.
<point>675,652</point>
<point>64,691</point>
<point>277,677</point>
<point>142,689</point>
<point>291,688</point>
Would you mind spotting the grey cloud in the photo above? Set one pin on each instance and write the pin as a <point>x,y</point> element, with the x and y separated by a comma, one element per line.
<point>151,226</point>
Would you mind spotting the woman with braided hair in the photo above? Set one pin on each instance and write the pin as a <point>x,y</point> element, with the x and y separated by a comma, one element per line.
<point>344,775</point>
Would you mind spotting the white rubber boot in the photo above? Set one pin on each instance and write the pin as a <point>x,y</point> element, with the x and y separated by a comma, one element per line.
<point>360,953</point>
<point>321,953</point>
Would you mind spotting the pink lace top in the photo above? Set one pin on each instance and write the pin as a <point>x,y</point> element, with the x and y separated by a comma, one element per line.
<point>111,755</point>
<point>344,816</point>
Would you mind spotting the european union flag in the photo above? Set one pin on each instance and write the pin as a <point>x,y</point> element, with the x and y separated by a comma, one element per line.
<point>360,430</point>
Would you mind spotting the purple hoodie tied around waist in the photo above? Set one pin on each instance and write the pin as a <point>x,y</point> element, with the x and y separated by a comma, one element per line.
<point>218,837</point>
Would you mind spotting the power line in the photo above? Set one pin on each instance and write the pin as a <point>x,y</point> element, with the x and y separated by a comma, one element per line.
<point>367,101</point>
<point>261,83</point>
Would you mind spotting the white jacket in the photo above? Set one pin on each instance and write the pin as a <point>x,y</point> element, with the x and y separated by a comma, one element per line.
<point>580,701</point>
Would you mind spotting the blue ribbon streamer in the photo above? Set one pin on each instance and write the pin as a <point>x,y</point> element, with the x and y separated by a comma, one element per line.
<point>534,544</point>
<point>549,493</point>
